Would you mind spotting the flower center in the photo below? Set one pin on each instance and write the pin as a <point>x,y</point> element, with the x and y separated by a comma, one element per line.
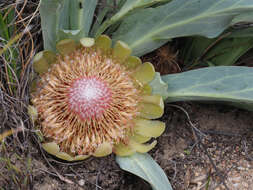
<point>89,97</point>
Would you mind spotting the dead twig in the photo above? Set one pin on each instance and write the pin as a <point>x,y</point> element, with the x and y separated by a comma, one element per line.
<point>199,135</point>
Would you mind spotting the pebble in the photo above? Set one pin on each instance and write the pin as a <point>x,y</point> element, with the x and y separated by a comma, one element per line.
<point>81,182</point>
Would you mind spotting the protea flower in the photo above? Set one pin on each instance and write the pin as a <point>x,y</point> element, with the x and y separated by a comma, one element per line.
<point>92,99</point>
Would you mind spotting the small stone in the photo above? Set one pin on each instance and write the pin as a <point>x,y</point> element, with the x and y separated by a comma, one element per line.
<point>81,182</point>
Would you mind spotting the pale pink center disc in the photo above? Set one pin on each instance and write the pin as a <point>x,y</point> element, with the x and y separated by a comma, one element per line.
<point>89,97</point>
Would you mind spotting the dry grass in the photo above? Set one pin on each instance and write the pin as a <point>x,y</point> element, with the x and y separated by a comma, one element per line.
<point>22,163</point>
<point>15,75</point>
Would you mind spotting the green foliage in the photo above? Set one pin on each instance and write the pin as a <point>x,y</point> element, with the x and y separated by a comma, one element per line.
<point>130,6</point>
<point>13,172</point>
<point>50,13</point>
<point>8,37</point>
<point>148,24</point>
<point>241,32</point>
<point>148,29</point>
<point>142,25</point>
<point>244,17</point>
<point>62,19</point>
<point>102,13</point>
<point>230,85</point>
<point>159,86</point>
<point>145,167</point>
<point>200,51</point>
<point>6,17</point>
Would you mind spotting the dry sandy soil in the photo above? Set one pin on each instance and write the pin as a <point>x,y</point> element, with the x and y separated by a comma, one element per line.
<point>204,147</point>
<point>215,151</point>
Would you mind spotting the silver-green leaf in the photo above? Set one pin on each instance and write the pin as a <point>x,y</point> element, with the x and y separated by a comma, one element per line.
<point>247,17</point>
<point>227,84</point>
<point>81,14</point>
<point>70,34</point>
<point>224,52</point>
<point>50,11</point>
<point>72,18</point>
<point>145,167</point>
<point>150,28</point>
<point>159,86</point>
<point>129,6</point>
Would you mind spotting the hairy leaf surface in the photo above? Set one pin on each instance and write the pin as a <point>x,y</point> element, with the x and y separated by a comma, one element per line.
<point>128,7</point>
<point>65,18</point>
<point>145,167</point>
<point>228,84</point>
<point>150,28</point>
<point>159,86</point>
<point>50,15</point>
<point>200,51</point>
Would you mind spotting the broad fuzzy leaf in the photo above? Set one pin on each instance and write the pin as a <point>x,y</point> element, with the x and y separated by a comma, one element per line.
<point>226,51</point>
<point>228,84</point>
<point>132,5</point>
<point>145,167</point>
<point>159,87</point>
<point>129,6</point>
<point>150,28</point>
<point>246,17</point>
<point>50,13</point>
<point>65,18</point>
<point>81,15</point>
<point>242,32</point>
<point>102,13</point>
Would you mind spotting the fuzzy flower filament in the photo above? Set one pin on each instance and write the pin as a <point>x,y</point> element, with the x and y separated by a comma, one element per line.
<point>96,100</point>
